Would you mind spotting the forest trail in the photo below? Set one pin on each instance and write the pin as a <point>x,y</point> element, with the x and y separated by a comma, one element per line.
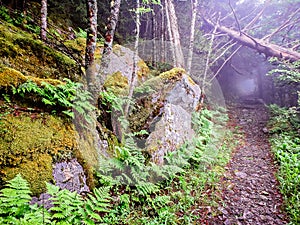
<point>249,187</point>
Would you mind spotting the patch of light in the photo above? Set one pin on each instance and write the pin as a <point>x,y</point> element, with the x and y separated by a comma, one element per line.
<point>246,87</point>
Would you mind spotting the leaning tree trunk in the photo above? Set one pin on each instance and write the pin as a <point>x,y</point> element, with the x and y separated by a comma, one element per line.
<point>269,49</point>
<point>44,20</point>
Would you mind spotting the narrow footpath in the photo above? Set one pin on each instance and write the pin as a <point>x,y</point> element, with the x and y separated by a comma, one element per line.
<point>249,187</point>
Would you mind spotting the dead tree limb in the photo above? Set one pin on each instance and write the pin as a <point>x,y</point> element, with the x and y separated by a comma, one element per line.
<point>270,50</point>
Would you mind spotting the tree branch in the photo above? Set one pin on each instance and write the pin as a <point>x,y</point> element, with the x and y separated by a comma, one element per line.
<point>270,50</point>
<point>224,63</point>
<point>235,17</point>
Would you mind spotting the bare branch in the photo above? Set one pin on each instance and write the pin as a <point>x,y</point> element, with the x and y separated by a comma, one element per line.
<point>253,21</point>
<point>235,17</point>
<point>223,52</point>
<point>224,63</point>
<point>285,24</point>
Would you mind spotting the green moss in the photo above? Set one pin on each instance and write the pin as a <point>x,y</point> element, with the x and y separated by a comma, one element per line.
<point>11,77</point>
<point>118,50</point>
<point>36,172</point>
<point>143,71</point>
<point>161,82</point>
<point>116,82</point>
<point>30,142</point>
<point>27,54</point>
<point>77,45</point>
<point>174,74</point>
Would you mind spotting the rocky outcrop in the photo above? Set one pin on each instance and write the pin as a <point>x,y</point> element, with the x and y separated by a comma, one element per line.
<point>120,68</point>
<point>164,108</point>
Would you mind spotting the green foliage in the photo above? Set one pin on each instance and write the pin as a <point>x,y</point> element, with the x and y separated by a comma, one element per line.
<point>287,72</point>
<point>15,197</point>
<point>145,193</point>
<point>70,95</point>
<point>284,126</point>
<point>18,19</point>
<point>68,207</point>
<point>154,194</point>
<point>81,33</point>
<point>284,119</point>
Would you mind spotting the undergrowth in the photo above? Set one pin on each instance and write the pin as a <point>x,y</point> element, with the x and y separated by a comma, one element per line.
<point>284,127</point>
<point>66,207</point>
<point>70,97</point>
<point>135,191</point>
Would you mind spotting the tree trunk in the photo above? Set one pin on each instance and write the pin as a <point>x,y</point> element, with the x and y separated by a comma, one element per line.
<point>91,41</point>
<point>172,46</point>
<point>175,32</point>
<point>194,4</point>
<point>109,37</point>
<point>44,20</point>
<point>135,54</point>
<point>111,26</point>
<point>270,50</point>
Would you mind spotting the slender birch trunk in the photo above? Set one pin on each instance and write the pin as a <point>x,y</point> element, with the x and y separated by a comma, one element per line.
<point>91,41</point>
<point>109,37</point>
<point>172,46</point>
<point>175,31</point>
<point>135,55</point>
<point>111,26</point>
<point>44,20</point>
<point>194,4</point>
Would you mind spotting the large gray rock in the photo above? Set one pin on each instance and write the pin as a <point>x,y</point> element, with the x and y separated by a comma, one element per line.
<point>121,61</point>
<point>170,132</point>
<point>166,112</point>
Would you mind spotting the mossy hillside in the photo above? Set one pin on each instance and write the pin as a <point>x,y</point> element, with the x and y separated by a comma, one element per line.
<point>11,77</point>
<point>24,52</point>
<point>30,143</point>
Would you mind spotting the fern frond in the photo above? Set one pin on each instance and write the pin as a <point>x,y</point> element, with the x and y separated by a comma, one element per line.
<point>14,199</point>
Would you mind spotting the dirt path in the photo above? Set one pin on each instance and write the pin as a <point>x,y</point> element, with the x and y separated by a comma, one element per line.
<point>250,190</point>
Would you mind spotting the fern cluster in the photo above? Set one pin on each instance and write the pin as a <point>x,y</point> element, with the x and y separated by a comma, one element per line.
<point>71,96</point>
<point>67,207</point>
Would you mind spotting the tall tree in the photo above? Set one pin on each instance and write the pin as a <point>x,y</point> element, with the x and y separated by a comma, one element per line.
<point>132,80</point>
<point>194,4</point>
<point>111,26</point>
<point>109,37</point>
<point>91,41</point>
<point>44,20</point>
<point>174,32</point>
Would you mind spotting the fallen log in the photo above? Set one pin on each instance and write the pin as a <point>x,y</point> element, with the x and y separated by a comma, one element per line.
<point>269,49</point>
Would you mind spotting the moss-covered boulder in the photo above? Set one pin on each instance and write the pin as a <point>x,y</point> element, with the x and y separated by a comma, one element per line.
<point>120,68</point>
<point>30,143</point>
<point>164,106</point>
